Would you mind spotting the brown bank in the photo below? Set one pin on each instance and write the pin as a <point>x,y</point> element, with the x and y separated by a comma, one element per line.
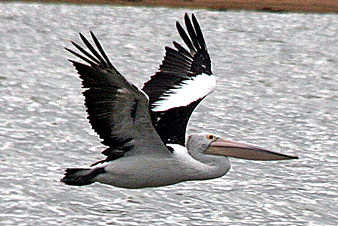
<point>317,6</point>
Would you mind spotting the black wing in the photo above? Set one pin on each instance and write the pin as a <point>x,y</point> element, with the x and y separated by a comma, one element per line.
<point>183,80</point>
<point>117,110</point>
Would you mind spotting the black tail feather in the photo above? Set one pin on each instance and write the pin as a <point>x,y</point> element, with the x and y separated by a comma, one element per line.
<point>81,176</point>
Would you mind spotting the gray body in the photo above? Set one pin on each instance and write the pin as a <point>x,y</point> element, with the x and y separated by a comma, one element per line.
<point>161,170</point>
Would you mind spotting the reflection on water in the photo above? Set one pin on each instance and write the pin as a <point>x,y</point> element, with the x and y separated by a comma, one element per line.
<point>277,88</point>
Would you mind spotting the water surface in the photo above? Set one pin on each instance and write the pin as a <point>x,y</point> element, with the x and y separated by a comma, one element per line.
<point>277,88</point>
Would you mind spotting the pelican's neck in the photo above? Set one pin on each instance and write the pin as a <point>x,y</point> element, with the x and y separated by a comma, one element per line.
<point>199,166</point>
<point>214,166</point>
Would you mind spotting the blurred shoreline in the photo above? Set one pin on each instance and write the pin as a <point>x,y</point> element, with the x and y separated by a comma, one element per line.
<point>311,6</point>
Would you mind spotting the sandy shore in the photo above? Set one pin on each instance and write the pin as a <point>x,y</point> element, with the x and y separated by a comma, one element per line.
<point>317,6</point>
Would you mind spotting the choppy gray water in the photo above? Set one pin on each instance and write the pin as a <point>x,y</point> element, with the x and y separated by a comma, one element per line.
<point>277,88</point>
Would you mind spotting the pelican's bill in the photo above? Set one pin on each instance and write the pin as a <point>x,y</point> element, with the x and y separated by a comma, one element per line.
<point>244,151</point>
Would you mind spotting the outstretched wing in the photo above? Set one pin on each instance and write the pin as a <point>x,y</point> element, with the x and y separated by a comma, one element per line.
<point>183,80</point>
<point>117,110</point>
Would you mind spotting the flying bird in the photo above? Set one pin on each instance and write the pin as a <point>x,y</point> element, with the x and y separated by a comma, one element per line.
<point>145,129</point>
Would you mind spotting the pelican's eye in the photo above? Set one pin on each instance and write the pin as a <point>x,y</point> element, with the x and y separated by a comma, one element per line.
<point>210,137</point>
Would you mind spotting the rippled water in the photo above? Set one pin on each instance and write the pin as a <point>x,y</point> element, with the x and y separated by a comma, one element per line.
<point>277,87</point>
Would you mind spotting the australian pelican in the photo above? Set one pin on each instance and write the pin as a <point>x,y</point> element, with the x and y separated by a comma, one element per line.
<point>145,130</point>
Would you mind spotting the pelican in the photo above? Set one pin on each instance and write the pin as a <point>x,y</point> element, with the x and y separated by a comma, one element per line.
<point>145,129</point>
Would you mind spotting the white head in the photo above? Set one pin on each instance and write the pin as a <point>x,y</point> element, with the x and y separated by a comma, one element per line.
<point>198,144</point>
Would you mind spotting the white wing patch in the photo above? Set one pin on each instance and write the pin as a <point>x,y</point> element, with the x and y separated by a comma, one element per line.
<point>185,93</point>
